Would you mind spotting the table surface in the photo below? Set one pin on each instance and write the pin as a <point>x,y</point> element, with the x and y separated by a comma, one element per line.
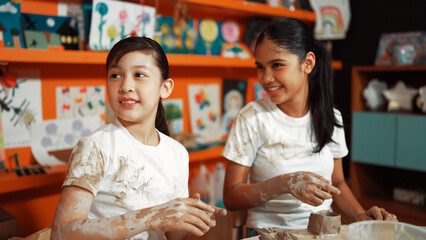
<point>306,235</point>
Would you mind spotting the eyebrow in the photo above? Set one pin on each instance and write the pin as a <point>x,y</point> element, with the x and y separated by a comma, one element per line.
<point>272,61</point>
<point>133,67</point>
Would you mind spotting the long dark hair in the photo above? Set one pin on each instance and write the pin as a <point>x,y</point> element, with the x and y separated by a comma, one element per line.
<point>147,46</point>
<point>295,37</point>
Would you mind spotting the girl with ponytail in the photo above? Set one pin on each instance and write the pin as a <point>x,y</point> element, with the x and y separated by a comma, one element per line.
<point>285,151</point>
<point>129,179</point>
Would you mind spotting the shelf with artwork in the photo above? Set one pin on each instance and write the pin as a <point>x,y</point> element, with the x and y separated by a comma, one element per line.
<point>387,150</point>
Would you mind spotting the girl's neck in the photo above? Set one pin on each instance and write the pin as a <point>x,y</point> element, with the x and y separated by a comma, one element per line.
<point>144,132</point>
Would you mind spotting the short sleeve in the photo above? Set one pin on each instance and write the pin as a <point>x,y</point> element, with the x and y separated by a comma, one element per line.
<point>243,140</point>
<point>87,165</point>
<point>338,147</point>
<point>182,189</point>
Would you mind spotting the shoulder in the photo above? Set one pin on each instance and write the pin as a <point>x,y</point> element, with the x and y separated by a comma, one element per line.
<point>171,144</point>
<point>98,139</point>
<point>256,108</point>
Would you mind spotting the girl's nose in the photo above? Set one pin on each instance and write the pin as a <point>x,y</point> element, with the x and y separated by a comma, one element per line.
<point>267,77</point>
<point>126,85</point>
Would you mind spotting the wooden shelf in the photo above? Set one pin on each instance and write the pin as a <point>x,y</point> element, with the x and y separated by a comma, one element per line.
<point>389,68</point>
<point>93,57</point>
<point>206,154</point>
<point>10,182</point>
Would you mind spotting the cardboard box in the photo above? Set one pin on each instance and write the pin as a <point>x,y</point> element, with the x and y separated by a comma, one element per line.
<point>8,225</point>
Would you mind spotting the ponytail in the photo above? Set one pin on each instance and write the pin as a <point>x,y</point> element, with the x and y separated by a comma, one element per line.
<point>160,120</point>
<point>320,97</point>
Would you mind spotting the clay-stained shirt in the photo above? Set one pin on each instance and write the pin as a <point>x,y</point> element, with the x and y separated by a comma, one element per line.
<point>125,175</point>
<point>272,143</point>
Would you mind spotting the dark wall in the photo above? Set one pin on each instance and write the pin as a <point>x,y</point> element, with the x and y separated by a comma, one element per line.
<point>370,18</point>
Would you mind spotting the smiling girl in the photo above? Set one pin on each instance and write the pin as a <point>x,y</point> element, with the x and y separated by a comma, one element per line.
<point>129,179</point>
<point>290,143</point>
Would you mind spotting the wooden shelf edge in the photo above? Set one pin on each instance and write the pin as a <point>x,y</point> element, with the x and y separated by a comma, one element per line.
<point>257,9</point>
<point>10,182</point>
<point>207,154</point>
<point>93,57</point>
<point>370,68</point>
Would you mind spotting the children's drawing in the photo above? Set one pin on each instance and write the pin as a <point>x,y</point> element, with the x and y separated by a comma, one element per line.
<point>74,10</point>
<point>10,24</point>
<point>209,37</point>
<point>175,38</point>
<point>234,92</point>
<point>54,135</point>
<point>80,101</point>
<point>21,107</point>
<point>173,109</point>
<point>333,17</point>
<point>114,20</point>
<point>204,109</point>
<point>232,48</point>
<point>43,32</point>
<point>259,92</point>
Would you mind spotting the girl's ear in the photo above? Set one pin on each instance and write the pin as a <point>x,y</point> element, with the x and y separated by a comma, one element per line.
<point>309,62</point>
<point>166,88</point>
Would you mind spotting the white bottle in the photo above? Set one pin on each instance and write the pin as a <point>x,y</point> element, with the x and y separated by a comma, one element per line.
<point>201,184</point>
<point>218,179</point>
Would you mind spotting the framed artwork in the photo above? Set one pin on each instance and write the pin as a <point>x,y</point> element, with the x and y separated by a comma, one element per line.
<point>80,101</point>
<point>11,35</point>
<point>259,92</point>
<point>174,116</point>
<point>21,107</point>
<point>406,48</point>
<point>44,32</point>
<point>210,39</point>
<point>204,112</point>
<point>234,98</point>
<point>175,38</point>
<point>230,32</point>
<point>333,18</point>
<point>114,20</point>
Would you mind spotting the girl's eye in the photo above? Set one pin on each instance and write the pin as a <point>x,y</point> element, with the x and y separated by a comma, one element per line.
<point>259,67</point>
<point>139,75</point>
<point>276,65</point>
<point>115,75</point>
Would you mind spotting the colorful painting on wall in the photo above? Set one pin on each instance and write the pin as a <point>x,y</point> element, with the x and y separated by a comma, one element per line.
<point>174,38</point>
<point>11,35</point>
<point>74,10</point>
<point>21,107</point>
<point>230,32</point>
<point>204,112</point>
<point>259,92</point>
<point>80,101</point>
<point>114,20</point>
<point>333,17</point>
<point>174,116</point>
<point>234,98</point>
<point>52,136</point>
<point>44,32</point>
<point>209,36</point>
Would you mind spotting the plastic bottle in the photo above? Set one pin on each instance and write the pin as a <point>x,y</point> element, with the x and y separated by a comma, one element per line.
<point>201,184</point>
<point>218,180</point>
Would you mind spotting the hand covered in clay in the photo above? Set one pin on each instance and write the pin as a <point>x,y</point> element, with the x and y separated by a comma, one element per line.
<point>376,213</point>
<point>189,215</point>
<point>309,187</point>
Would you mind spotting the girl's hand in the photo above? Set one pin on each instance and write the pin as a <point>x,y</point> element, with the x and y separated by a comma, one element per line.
<point>309,187</point>
<point>376,213</point>
<point>183,214</point>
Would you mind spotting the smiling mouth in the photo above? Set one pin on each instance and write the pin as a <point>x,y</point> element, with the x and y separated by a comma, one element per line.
<point>272,89</point>
<point>128,102</point>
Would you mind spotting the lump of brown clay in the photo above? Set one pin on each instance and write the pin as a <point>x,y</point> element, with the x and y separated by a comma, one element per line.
<point>274,233</point>
<point>324,222</point>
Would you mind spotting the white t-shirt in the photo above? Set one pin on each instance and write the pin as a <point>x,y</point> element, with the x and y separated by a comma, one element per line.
<point>271,143</point>
<point>125,175</point>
